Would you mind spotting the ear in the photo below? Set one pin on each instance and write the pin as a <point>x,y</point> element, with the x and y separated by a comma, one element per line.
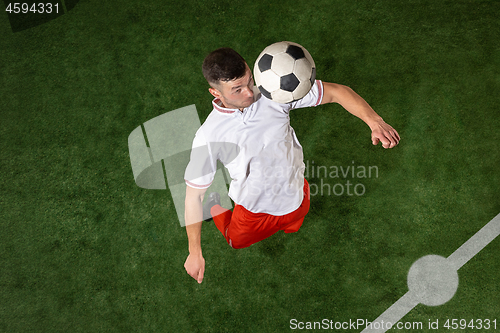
<point>216,93</point>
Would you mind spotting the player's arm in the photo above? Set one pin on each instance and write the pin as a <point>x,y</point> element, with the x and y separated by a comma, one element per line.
<point>356,105</point>
<point>193,214</point>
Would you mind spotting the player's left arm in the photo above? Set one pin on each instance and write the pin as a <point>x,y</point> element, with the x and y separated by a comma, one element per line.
<point>356,105</point>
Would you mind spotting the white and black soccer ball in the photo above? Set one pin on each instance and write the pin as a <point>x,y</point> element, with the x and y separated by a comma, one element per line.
<point>284,72</point>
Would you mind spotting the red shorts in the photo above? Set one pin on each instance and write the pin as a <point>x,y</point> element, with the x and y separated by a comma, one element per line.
<point>242,228</point>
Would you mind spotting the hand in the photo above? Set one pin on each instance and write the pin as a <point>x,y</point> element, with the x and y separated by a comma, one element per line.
<point>383,132</point>
<point>195,266</point>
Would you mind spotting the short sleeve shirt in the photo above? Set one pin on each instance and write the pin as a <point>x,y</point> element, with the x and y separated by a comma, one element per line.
<point>260,150</point>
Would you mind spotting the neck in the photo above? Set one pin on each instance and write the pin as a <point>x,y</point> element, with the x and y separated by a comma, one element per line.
<point>230,107</point>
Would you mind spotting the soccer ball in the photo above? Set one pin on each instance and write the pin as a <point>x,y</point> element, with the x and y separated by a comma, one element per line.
<point>284,72</point>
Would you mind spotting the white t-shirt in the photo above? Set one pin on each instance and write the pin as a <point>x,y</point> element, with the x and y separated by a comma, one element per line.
<point>260,150</point>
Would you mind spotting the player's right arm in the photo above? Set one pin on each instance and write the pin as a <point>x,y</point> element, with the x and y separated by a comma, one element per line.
<point>193,214</point>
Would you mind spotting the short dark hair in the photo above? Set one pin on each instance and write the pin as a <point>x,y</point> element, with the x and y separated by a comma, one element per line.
<point>224,64</point>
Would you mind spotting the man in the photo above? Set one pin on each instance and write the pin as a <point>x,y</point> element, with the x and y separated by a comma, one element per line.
<point>251,135</point>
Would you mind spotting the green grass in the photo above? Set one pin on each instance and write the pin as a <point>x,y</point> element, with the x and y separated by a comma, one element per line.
<point>83,249</point>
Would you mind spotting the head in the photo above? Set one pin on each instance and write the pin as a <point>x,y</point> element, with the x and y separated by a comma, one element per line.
<point>229,77</point>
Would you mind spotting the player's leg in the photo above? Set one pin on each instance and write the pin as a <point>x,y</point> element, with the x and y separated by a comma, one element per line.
<point>212,210</point>
<point>293,221</point>
<point>247,228</point>
<point>240,227</point>
<point>221,217</point>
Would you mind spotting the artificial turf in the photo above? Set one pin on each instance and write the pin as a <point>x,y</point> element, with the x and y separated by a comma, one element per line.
<point>84,249</point>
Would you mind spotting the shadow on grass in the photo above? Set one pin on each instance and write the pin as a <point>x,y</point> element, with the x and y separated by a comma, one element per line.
<point>273,246</point>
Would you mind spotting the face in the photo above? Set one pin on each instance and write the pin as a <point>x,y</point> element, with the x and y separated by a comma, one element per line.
<point>236,94</point>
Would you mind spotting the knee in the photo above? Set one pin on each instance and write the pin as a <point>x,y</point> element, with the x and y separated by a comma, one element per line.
<point>238,243</point>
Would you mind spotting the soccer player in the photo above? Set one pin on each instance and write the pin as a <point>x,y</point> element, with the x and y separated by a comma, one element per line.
<point>251,135</point>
